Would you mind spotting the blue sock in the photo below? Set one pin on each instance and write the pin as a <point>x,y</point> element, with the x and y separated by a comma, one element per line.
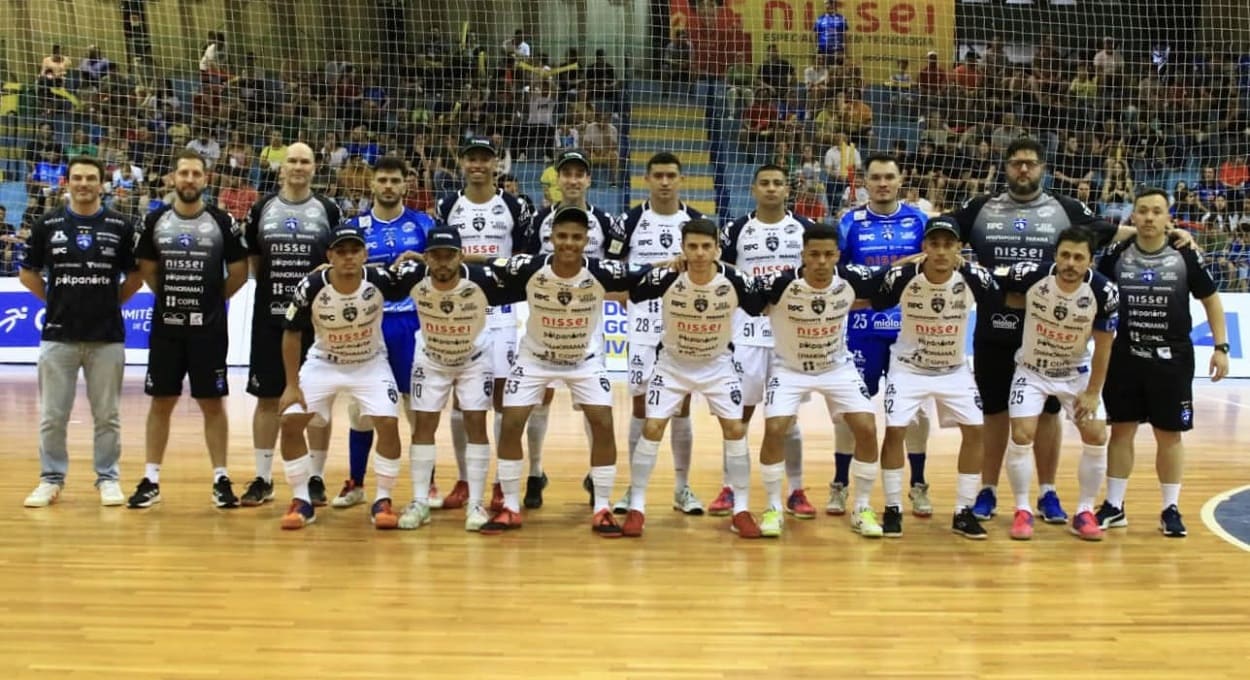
<point>358,446</point>
<point>842,468</point>
<point>916,460</point>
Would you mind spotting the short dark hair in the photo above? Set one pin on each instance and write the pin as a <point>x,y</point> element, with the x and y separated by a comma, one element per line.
<point>505,178</point>
<point>663,158</point>
<point>1150,191</point>
<point>390,164</point>
<point>881,158</point>
<point>1078,235</point>
<point>702,226</point>
<point>189,155</point>
<point>820,231</point>
<point>1025,144</point>
<point>88,160</point>
<point>769,167</point>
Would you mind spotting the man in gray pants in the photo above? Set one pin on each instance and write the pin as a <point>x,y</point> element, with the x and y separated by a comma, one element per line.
<point>87,255</point>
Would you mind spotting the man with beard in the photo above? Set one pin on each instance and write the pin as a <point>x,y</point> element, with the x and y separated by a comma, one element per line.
<point>287,232</point>
<point>193,258</point>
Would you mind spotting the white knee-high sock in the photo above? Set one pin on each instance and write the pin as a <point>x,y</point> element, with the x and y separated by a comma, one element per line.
<point>640,468</point>
<point>966,487</point>
<point>604,477</point>
<point>297,473</point>
<point>264,464</point>
<point>386,471</point>
<point>1019,465</point>
<point>772,474</point>
<point>509,473</point>
<point>892,484</point>
<point>318,458</point>
<point>421,459</point>
<point>863,476</point>
<point>738,472</point>
<point>1117,487</point>
<point>477,460</point>
<point>635,433</point>
<point>459,440</point>
<point>793,447</point>
<point>535,433</point>
<point>682,441</point>
<point>1090,473</point>
<point>1171,495</point>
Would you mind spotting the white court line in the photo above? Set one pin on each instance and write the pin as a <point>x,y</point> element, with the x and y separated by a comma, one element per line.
<point>1208,517</point>
<point>1238,404</point>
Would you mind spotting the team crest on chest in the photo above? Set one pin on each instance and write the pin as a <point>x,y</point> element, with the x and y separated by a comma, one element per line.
<point>565,297</point>
<point>185,240</point>
<point>1060,312</point>
<point>349,313</point>
<point>84,240</point>
<point>446,306</point>
<point>666,239</point>
<point>1020,224</point>
<point>772,242</point>
<point>291,224</point>
<point>479,223</point>
<point>938,304</point>
<point>700,305</point>
<point>818,305</point>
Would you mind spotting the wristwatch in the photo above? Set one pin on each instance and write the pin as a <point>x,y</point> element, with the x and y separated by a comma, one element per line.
<point>1223,347</point>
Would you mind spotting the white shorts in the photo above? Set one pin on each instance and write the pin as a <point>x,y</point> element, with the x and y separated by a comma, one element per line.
<point>956,395</point>
<point>588,383</point>
<point>501,351</point>
<point>1030,389</point>
<point>753,365</point>
<point>433,383</point>
<point>717,381</point>
<point>843,389</point>
<point>370,383</point>
<point>641,368</point>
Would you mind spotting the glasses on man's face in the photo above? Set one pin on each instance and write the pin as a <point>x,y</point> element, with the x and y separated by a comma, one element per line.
<point>1024,164</point>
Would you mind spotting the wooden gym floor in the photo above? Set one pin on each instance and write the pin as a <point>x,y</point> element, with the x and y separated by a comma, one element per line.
<point>187,591</point>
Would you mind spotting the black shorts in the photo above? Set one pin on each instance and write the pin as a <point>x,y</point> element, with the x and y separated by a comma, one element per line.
<point>993,365</point>
<point>1150,391</point>
<point>200,356</point>
<point>266,377</point>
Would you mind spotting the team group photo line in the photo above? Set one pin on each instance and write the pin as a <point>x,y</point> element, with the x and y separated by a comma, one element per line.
<point>1076,319</point>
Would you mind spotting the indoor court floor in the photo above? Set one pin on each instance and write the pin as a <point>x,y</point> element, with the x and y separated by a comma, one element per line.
<point>184,590</point>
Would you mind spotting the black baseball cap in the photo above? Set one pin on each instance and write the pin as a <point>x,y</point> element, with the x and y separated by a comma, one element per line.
<point>573,156</point>
<point>571,213</point>
<point>346,232</point>
<point>478,143</point>
<point>443,237</point>
<point>942,223</point>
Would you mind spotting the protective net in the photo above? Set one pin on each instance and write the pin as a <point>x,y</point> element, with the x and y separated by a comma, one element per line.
<point>1124,93</point>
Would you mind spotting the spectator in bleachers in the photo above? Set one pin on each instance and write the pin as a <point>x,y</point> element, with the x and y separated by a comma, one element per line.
<point>601,82</point>
<point>1109,68</point>
<point>550,184</point>
<point>128,193</point>
<point>1006,132</point>
<point>901,84</point>
<point>912,197</point>
<point>994,62</point>
<point>981,170</point>
<point>271,159</point>
<point>856,194</point>
<point>503,152</point>
<point>759,125</point>
<point>80,144</point>
<point>12,245</point>
<point>831,28</point>
<point>236,196</point>
<point>603,142</point>
<point>935,130</point>
<point>1084,88</point>
<point>931,82</point>
<point>858,119</point>
<point>1187,212</point>
<point>808,201</point>
<point>179,133</point>
<point>213,59</point>
<point>1234,175</point>
<point>207,146</point>
<point>1208,187</point>
<point>829,121</point>
<point>510,184</point>
<point>93,67</point>
<point>1116,198</point>
<point>1220,218</point>
<point>776,74</point>
<point>360,144</point>
<point>42,144</point>
<point>740,85</point>
<point>540,121</point>
<point>239,157</point>
<point>842,162</point>
<point>675,64</point>
<point>418,194</point>
<point>1071,166</point>
<point>968,76</point>
<point>53,68</point>
<point>566,137</point>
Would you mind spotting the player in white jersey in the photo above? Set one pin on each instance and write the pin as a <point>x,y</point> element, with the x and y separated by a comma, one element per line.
<point>935,299</point>
<point>765,241</point>
<point>562,342</point>
<point>343,306</point>
<point>649,233</point>
<point>573,177</point>
<point>492,224</point>
<point>1065,302</point>
<point>809,308</point>
<point>699,306</point>
<point>451,355</point>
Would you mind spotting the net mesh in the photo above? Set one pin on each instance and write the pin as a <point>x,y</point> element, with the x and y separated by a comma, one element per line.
<point>1124,93</point>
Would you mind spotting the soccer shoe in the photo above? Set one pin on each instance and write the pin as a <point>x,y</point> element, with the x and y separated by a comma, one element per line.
<point>1110,517</point>
<point>1085,526</point>
<point>496,498</point>
<point>920,504</point>
<point>382,514</point>
<point>1170,523</point>
<point>798,505</point>
<point>44,495</point>
<point>837,499</point>
<point>457,498</point>
<point>475,518</point>
<point>770,523</point>
<point>864,523</point>
<point>258,493</point>
<point>986,505</point>
<point>892,522</point>
<point>967,525</point>
<point>744,525</point>
<point>146,495</point>
<point>1022,525</point>
<point>299,515</point>
<point>504,520</point>
<point>588,485</point>
<point>433,499</point>
<point>415,515</point>
<point>317,491</point>
<point>350,495</point>
<point>534,486</point>
<point>685,501</point>
<point>604,524</point>
<point>1049,508</point>
<point>635,520</point>
<point>724,503</point>
<point>622,506</point>
<point>223,494</point>
<point>111,494</point>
